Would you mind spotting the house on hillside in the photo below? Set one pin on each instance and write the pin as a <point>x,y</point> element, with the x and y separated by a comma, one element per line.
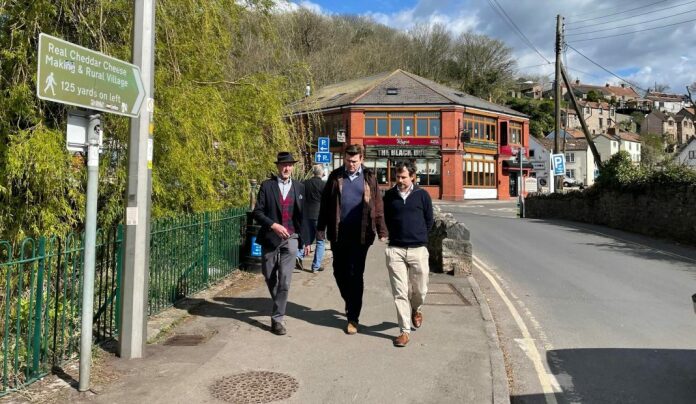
<point>579,161</point>
<point>612,142</point>
<point>665,102</point>
<point>527,89</point>
<point>599,116</point>
<point>463,145</point>
<point>661,123</point>
<point>685,126</point>
<point>687,155</point>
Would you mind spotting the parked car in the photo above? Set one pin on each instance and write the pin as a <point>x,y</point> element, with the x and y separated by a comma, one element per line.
<point>571,182</point>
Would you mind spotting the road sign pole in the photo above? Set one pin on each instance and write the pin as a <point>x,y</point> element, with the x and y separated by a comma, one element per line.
<point>89,251</point>
<point>552,175</point>
<point>133,330</point>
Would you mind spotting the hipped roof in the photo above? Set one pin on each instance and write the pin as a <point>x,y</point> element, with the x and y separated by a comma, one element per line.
<point>411,89</point>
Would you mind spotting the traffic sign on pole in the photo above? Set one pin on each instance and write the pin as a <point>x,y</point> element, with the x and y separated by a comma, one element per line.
<point>322,158</point>
<point>323,144</point>
<point>71,74</point>
<point>558,164</point>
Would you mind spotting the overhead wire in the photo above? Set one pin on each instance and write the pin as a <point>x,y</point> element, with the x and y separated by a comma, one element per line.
<point>605,69</point>
<point>613,14</point>
<point>505,17</point>
<point>611,8</point>
<point>638,15</point>
<point>630,25</point>
<point>633,32</point>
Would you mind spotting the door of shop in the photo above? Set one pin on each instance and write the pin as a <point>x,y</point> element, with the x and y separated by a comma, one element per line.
<point>514,181</point>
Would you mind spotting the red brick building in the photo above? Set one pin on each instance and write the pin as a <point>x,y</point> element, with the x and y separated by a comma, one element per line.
<point>463,145</point>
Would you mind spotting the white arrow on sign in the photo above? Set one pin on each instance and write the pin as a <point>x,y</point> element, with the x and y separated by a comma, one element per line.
<point>141,91</point>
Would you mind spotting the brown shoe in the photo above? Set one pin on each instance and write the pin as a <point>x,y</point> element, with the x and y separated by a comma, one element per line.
<point>401,340</point>
<point>352,328</point>
<point>417,319</point>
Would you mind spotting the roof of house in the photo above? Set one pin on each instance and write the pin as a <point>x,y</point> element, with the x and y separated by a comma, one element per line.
<point>686,112</point>
<point>576,145</point>
<point>410,89</point>
<point>665,97</point>
<point>663,116</point>
<point>593,104</point>
<point>629,136</point>
<point>617,91</point>
<point>567,133</point>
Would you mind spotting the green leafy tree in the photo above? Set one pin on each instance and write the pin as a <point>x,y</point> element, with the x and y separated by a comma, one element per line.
<point>594,96</point>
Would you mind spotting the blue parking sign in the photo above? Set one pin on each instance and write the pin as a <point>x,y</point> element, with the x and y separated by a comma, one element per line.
<point>323,144</point>
<point>322,158</point>
<point>558,164</point>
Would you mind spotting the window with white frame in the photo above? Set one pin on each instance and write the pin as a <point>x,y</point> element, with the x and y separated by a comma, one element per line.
<point>570,157</point>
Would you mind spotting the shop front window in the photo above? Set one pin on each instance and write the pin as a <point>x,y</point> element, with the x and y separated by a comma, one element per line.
<point>479,172</point>
<point>397,124</point>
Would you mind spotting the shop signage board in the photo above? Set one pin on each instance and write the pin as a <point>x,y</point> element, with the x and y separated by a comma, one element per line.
<point>70,74</point>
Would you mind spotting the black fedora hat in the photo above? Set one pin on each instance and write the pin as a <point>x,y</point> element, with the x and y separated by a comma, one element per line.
<point>285,157</point>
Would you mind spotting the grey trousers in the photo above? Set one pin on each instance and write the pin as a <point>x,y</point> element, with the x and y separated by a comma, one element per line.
<point>277,266</point>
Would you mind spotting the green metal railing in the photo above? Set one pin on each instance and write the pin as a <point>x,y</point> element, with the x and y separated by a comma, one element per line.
<point>40,306</point>
<point>41,289</point>
<point>189,253</point>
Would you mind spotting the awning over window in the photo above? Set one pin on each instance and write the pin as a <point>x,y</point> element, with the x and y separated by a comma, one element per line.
<point>515,165</point>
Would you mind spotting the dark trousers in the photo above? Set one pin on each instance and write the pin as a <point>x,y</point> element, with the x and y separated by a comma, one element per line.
<point>349,267</point>
<point>277,266</point>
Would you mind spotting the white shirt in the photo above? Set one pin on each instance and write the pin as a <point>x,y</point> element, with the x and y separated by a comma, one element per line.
<point>284,186</point>
<point>404,195</point>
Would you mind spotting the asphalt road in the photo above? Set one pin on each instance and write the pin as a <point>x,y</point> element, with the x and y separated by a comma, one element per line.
<point>608,312</point>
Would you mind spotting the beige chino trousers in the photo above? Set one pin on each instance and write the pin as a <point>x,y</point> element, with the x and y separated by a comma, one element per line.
<point>408,274</point>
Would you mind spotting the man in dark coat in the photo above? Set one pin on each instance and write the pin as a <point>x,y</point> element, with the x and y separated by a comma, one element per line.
<point>351,216</point>
<point>278,210</point>
<point>313,189</point>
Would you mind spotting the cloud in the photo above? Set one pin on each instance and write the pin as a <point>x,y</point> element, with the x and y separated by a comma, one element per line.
<point>282,6</point>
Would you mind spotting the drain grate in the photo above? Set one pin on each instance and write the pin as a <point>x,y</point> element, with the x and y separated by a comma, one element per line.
<point>254,387</point>
<point>185,340</point>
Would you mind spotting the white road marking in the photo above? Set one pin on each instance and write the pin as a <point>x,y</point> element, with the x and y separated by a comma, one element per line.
<point>547,381</point>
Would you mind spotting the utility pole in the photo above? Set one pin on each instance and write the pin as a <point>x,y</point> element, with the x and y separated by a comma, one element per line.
<point>557,97</point>
<point>134,284</point>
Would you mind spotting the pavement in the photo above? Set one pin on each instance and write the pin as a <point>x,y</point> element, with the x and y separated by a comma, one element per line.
<point>220,348</point>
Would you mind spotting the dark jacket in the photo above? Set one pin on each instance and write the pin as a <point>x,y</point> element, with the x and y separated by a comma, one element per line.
<point>372,212</point>
<point>313,189</point>
<point>409,221</point>
<point>267,212</point>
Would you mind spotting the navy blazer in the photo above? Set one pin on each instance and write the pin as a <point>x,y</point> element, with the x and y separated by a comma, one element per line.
<point>268,211</point>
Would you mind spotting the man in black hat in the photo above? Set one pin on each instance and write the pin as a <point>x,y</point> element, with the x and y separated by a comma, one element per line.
<point>278,210</point>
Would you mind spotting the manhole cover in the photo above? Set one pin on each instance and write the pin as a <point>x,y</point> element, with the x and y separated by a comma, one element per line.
<point>254,387</point>
<point>185,340</point>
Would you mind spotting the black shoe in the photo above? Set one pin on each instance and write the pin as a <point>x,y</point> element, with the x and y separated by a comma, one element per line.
<point>278,328</point>
<point>298,263</point>
<point>315,270</point>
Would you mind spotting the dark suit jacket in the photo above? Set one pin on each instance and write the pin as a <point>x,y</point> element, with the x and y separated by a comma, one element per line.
<point>313,189</point>
<point>267,212</point>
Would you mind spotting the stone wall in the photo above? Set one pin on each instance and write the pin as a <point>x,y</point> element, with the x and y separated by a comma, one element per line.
<point>660,211</point>
<point>449,245</point>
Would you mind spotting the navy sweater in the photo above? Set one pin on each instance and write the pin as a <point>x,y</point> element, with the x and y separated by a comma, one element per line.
<point>408,221</point>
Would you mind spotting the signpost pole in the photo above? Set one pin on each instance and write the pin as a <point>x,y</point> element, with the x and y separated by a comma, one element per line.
<point>133,330</point>
<point>89,251</point>
<point>521,198</point>
<point>552,175</point>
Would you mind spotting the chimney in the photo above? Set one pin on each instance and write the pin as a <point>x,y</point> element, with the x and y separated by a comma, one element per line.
<point>577,81</point>
<point>623,85</point>
<point>606,85</point>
